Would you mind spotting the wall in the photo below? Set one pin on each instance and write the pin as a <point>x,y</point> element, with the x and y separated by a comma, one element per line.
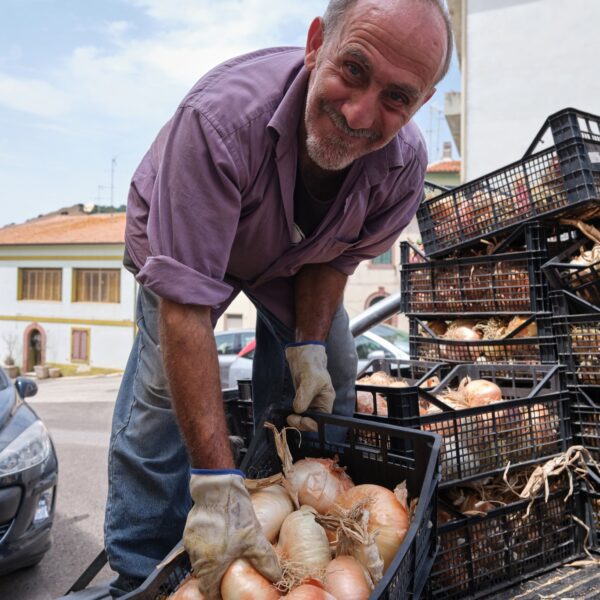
<point>525,59</point>
<point>111,325</point>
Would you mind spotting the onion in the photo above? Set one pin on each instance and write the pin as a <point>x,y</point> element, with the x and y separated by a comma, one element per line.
<point>386,515</point>
<point>438,327</point>
<point>530,331</point>
<point>271,506</point>
<point>318,482</point>
<point>461,330</point>
<point>364,403</point>
<point>188,590</point>
<point>304,542</point>
<point>309,592</point>
<point>345,578</point>
<point>243,582</point>
<point>479,392</point>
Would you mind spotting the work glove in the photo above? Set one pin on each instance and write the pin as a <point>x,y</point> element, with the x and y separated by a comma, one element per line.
<point>314,391</point>
<point>222,527</point>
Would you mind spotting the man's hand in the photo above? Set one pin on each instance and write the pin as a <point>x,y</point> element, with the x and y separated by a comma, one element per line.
<point>222,527</point>
<point>314,391</point>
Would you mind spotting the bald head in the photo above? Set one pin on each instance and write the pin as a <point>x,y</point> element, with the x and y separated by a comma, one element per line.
<point>338,10</point>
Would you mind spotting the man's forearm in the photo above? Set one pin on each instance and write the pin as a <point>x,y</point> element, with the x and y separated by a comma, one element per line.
<point>318,291</point>
<point>191,364</point>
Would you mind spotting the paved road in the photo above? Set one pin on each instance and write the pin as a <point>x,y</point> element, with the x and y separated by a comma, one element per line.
<point>78,413</point>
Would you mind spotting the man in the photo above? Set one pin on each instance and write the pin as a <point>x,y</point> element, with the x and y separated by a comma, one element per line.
<point>280,171</point>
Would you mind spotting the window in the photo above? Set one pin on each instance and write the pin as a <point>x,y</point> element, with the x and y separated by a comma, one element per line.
<point>96,285</point>
<point>225,343</point>
<point>40,284</point>
<point>233,321</point>
<point>80,345</point>
<point>365,346</point>
<point>383,259</point>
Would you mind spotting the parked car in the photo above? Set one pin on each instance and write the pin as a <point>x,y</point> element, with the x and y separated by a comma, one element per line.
<point>369,346</point>
<point>393,335</point>
<point>229,345</point>
<point>28,477</point>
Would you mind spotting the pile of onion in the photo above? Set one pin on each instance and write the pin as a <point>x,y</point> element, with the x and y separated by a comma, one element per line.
<point>364,399</point>
<point>306,513</point>
<point>587,258</point>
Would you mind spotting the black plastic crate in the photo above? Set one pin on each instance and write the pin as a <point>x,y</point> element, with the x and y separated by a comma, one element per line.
<point>581,280</point>
<point>366,463</point>
<point>399,402</point>
<point>568,124</point>
<point>512,348</point>
<point>585,419</point>
<point>479,555</point>
<point>577,328</point>
<point>563,178</point>
<point>506,282</point>
<point>532,423</point>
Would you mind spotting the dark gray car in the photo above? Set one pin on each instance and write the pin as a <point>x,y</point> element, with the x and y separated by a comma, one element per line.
<point>28,477</point>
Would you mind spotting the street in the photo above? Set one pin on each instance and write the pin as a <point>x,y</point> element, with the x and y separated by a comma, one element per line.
<point>78,413</point>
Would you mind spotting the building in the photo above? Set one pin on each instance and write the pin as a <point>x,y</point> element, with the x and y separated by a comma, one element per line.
<point>521,60</point>
<point>445,172</point>
<point>66,299</point>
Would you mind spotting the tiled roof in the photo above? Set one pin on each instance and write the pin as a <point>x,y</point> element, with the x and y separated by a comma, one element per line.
<point>100,228</point>
<point>444,166</point>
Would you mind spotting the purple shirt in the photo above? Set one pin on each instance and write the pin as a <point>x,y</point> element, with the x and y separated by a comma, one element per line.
<point>210,210</point>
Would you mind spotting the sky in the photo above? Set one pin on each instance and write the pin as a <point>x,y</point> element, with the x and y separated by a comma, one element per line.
<point>86,81</point>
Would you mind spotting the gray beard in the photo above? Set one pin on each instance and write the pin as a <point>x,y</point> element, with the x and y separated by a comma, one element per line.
<point>330,155</point>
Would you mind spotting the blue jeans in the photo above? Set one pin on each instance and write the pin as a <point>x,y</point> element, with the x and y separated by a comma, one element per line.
<point>148,469</point>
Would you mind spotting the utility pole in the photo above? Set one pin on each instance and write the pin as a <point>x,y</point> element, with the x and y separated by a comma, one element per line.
<point>113,164</point>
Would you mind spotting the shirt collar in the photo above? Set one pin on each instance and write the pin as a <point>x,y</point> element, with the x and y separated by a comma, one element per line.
<point>283,128</point>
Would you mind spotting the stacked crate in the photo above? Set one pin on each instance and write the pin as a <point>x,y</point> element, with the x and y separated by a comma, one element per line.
<point>489,247</point>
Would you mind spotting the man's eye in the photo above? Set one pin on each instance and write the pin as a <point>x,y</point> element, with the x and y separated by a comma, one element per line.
<point>398,98</point>
<point>353,69</point>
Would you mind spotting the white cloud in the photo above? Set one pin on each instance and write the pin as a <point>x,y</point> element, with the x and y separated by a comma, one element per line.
<point>142,77</point>
<point>33,96</point>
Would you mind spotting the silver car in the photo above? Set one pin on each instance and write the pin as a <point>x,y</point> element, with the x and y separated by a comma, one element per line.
<point>369,346</point>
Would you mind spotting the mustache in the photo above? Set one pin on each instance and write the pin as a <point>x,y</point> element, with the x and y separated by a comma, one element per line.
<point>340,122</point>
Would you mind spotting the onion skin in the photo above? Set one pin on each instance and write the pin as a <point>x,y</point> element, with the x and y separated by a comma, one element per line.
<point>386,514</point>
<point>438,327</point>
<point>480,392</point>
<point>530,331</point>
<point>243,582</point>
<point>188,590</point>
<point>364,403</point>
<point>461,330</point>
<point>345,578</point>
<point>303,541</point>
<point>318,482</point>
<point>309,592</point>
<point>271,506</point>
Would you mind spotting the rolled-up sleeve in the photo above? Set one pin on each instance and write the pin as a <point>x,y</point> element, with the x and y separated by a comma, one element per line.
<point>193,215</point>
<point>382,228</point>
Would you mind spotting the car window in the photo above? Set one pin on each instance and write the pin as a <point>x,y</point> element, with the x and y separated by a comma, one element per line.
<point>247,337</point>
<point>250,355</point>
<point>226,343</point>
<point>391,334</point>
<point>364,347</point>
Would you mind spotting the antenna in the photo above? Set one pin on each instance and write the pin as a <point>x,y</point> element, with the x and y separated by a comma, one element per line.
<point>113,164</point>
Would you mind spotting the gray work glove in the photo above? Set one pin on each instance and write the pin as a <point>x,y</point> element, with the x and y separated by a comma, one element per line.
<point>314,391</point>
<point>222,527</point>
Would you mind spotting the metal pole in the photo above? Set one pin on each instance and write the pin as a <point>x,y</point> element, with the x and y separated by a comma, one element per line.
<point>380,311</point>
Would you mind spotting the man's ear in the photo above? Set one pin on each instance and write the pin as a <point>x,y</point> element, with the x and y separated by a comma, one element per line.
<point>314,42</point>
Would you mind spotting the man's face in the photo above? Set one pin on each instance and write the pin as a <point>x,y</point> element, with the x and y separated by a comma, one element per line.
<point>369,77</point>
